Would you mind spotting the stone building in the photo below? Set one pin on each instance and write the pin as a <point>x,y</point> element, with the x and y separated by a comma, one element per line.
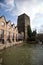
<point>2,29</point>
<point>16,33</point>
<point>13,32</point>
<point>22,23</point>
<point>8,31</point>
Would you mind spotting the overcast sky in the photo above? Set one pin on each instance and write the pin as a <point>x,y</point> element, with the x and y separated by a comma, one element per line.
<point>33,8</point>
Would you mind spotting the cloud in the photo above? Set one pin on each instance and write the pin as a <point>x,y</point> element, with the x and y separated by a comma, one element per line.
<point>38,22</point>
<point>8,5</point>
<point>23,6</point>
<point>30,7</point>
<point>9,2</point>
<point>3,5</point>
<point>33,8</point>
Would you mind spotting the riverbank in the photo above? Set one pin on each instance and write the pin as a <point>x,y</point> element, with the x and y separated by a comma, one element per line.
<point>6,45</point>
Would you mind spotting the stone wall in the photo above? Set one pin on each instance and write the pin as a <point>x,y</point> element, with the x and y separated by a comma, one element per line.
<point>22,23</point>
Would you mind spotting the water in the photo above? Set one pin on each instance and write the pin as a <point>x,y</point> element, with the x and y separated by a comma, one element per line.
<point>31,54</point>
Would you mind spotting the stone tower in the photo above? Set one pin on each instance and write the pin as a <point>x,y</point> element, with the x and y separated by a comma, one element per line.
<point>22,23</point>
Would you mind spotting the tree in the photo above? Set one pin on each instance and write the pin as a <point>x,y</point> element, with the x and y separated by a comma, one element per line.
<point>29,31</point>
<point>34,33</point>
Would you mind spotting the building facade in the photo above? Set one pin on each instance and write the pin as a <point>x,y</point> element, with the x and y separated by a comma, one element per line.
<point>13,32</point>
<point>2,29</point>
<point>16,33</point>
<point>8,31</point>
<point>22,23</point>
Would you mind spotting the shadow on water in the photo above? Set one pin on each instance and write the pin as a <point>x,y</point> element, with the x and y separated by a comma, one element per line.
<point>27,55</point>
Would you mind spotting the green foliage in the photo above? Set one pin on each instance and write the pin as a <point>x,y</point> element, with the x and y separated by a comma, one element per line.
<point>29,32</point>
<point>34,33</point>
<point>31,35</point>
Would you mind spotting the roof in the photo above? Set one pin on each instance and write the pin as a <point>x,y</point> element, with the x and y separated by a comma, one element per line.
<point>12,24</point>
<point>8,22</point>
<point>23,15</point>
<point>2,16</point>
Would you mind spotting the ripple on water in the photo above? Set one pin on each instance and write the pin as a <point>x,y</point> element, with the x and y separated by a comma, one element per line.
<point>1,60</point>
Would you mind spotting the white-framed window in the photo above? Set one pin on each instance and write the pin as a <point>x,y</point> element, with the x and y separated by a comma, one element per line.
<point>2,23</point>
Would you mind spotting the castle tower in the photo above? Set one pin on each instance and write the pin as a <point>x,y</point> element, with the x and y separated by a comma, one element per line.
<point>22,23</point>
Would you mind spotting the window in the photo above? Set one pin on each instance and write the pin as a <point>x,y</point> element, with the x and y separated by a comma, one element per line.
<point>13,26</point>
<point>2,23</point>
<point>8,33</point>
<point>8,27</point>
<point>0,32</point>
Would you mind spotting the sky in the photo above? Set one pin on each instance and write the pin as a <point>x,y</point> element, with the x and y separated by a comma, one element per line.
<point>11,9</point>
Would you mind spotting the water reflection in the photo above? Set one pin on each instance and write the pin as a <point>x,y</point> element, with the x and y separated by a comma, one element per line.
<point>1,58</point>
<point>32,55</point>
